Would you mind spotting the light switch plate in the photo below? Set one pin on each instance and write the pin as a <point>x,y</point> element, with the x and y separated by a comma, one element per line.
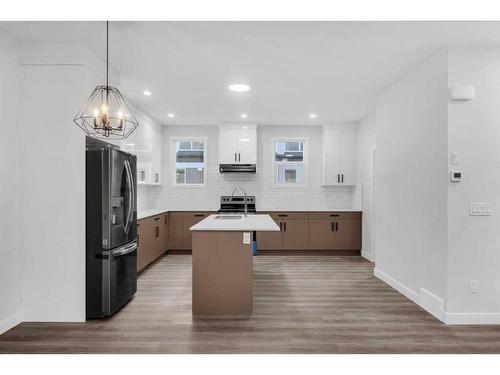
<point>480,209</point>
<point>246,238</point>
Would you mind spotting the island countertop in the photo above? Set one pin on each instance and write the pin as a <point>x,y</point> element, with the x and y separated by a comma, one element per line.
<point>251,222</point>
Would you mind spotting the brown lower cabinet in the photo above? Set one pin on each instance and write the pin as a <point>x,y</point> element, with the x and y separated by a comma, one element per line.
<point>335,231</point>
<point>292,236</point>
<point>299,231</point>
<point>347,235</point>
<point>175,230</point>
<point>313,231</point>
<point>180,237</point>
<point>152,234</point>
<point>188,220</point>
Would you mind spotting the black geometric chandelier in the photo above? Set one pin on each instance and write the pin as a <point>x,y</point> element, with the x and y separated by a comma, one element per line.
<point>106,113</point>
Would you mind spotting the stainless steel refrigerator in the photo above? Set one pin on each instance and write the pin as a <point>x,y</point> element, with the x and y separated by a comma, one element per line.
<point>111,228</point>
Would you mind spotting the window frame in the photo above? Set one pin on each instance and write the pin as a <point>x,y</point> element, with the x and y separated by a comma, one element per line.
<point>173,153</point>
<point>304,163</point>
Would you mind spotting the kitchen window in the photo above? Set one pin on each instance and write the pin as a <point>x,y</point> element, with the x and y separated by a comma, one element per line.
<point>190,161</point>
<point>289,162</point>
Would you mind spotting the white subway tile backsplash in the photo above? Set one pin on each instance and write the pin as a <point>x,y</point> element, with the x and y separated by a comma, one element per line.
<point>313,196</point>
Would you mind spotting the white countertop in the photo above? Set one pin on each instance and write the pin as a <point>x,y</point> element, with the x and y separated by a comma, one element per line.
<point>141,214</point>
<point>260,223</point>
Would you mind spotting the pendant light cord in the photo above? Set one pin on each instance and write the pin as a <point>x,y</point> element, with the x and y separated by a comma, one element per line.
<point>107,52</point>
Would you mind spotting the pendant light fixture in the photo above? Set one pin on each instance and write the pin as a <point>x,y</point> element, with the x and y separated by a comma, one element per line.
<point>106,113</point>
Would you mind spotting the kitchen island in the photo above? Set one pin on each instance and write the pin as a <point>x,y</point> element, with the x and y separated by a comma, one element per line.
<point>223,263</point>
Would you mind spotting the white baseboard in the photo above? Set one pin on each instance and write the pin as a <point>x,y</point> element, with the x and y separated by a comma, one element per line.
<point>472,318</point>
<point>10,322</point>
<point>432,304</point>
<point>367,256</point>
<point>408,293</point>
<point>425,299</point>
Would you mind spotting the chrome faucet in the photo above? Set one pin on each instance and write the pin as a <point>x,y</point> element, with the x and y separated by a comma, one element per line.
<point>244,192</point>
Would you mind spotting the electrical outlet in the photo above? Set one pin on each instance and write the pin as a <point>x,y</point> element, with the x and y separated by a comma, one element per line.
<point>473,286</point>
<point>246,238</point>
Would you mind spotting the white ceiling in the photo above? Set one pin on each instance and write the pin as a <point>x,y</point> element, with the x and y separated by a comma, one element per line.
<point>334,69</point>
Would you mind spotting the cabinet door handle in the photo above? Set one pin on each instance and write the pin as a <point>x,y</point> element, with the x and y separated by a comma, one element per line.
<point>235,156</point>
<point>342,178</point>
<point>239,156</point>
<point>281,226</point>
<point>284,224</point>
<point>157,231</point>
<point>334,215</point>
<point>165,221</point>
<point>157,218</point>
<point>283,215</point>
<point>333,230</point>
<point>338,178</point>
<point>337,226</point>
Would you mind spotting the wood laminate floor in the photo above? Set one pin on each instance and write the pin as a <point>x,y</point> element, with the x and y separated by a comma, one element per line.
<point>302,304</point>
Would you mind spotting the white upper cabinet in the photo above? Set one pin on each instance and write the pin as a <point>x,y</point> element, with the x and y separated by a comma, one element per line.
<point>339,154</point>
<point>145,142</point>
<point>238,144</point>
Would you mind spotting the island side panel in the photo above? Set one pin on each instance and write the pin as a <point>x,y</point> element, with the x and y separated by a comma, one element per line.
<point>222,274</point>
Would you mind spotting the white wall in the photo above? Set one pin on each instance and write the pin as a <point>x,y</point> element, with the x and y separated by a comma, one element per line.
<point>312,196</point>
<point>411,183</point>
<point>10,255</point>
<point>53,193</point>
<point>474,132</point>
<point>366,144</point>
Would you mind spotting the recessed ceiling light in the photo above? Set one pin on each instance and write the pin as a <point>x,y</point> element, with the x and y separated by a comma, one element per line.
<point>244,115</point>
<point>171,115</point>
<point>239,87</point>
<point>313,115</point>
<point>147,93</point>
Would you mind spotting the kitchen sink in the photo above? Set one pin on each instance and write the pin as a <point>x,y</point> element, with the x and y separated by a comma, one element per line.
<point>228,217</point>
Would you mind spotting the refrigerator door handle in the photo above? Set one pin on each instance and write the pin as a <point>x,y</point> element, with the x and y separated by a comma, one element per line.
<point>130,197</point>
<point>132,186</point>
<point>124,250</point>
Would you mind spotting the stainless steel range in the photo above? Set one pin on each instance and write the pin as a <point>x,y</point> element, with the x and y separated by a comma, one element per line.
<point>236,204</point>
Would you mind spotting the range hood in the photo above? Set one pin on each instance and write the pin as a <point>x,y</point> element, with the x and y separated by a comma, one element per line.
<point>237,168</point>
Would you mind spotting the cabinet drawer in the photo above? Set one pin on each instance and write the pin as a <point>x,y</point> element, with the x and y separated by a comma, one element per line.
<point>289,215</point>
<point>334,215</point>
<point>195,216</point>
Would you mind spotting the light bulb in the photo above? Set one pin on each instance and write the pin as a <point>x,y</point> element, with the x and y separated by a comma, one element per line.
<point>104,108</point>
<point>96,116</point>
<point>120,114</point>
